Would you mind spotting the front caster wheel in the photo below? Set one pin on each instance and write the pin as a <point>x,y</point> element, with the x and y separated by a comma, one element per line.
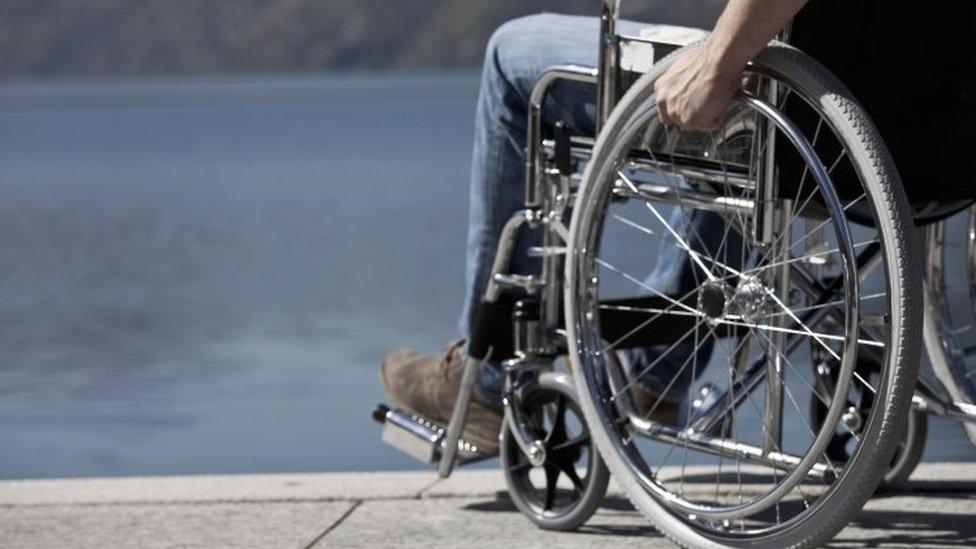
<point>565,491</point>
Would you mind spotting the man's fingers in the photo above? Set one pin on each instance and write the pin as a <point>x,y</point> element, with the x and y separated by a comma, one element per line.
<point>686,121</point>
<point>662,111</point>
<point>688,117</point>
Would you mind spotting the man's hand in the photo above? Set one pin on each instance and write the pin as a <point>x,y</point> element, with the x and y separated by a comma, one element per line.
<point>695,91</point>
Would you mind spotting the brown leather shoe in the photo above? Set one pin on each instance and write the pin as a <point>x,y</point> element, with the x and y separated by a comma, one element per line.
<point>428,386</point>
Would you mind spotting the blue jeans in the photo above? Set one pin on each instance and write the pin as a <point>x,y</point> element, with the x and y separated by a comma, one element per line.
<point>517,55</point>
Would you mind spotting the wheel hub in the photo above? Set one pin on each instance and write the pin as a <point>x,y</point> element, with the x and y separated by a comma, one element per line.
<point>751,299</point>
<point>711,299</point>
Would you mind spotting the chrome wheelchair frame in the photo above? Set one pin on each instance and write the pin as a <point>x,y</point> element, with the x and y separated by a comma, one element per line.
<point>539,336</point>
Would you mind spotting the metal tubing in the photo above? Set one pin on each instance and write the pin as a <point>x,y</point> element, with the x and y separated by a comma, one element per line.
<point>535,177</point>
<point>522,432</point>
<point>961,411</point>
<point>703,170</point>
<point>723,447</point>
<point>927,399</point>
<point>533,156</point>
<point>506,242</point>
<point>458,416</point>
<point>763,228</point>
<point>688,198</point>
<point>608,85</point>
<point>970,257</point>
<point>773,432</point>
<point>692,169</point>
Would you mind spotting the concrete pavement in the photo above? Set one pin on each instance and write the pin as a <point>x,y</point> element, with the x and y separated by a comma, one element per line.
<point>937,509</point>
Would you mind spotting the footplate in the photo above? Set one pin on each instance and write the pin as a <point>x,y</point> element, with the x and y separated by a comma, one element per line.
<point>421,438</point>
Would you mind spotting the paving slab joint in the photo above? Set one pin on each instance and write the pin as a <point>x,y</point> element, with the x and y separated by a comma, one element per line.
<point>352,508</point>
<point>423,493</point>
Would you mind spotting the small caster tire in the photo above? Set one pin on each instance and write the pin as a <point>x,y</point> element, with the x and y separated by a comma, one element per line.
<point>553,408</point>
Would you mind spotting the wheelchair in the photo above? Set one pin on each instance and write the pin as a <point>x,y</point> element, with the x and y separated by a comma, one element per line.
<point>801,335</point>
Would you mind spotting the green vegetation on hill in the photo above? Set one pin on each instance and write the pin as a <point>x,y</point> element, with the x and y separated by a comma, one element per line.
<point>68,38</point>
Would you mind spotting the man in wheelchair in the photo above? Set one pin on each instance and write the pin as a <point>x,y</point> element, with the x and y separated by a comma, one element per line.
<point>896,59</point>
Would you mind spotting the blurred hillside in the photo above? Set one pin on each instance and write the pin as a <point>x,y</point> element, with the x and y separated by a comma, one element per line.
<point>96,38</point>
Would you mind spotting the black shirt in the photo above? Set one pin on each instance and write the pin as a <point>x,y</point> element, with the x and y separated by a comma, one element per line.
<point>913,67</point>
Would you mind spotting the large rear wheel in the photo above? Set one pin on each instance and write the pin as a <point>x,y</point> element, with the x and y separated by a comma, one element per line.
<point>950,308</point>
<point>795,230</point>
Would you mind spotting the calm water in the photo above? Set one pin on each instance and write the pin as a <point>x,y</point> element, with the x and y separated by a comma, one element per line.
<point>201,276</point>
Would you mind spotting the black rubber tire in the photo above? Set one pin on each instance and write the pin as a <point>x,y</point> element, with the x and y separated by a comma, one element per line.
<point>595,482</point>
<point>909,452</point>
<point>951,362</point>
<point>863,473</point>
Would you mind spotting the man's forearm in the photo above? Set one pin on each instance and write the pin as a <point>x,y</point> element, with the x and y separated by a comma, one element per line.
<point>744,28</point>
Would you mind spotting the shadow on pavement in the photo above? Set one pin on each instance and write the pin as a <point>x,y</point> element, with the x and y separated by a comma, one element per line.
<point>943,488</point>
<point>915,529</point>
<point>503,504</point>
<point>922,524</point>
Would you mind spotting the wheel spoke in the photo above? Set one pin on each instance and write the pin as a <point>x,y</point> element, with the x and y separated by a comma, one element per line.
<point>682,211</point>
<point>681,241</point>
<point>824,223</point>
<point>558,432</point>
<point>666,311</point>
<point>801,258</point>
<point>812,390</point>
<point>552,478</point>
<point>734,321</point>
<point>570,472</point>
<point>649,367</point>
<point>646,230</point>
<point>669,310</point>
<point>635,225</point>
<point>631,278</point>
<point>572,444</point>
<point>834,303</point>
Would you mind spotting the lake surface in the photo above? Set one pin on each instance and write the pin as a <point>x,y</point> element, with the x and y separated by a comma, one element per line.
<point>201,276</point>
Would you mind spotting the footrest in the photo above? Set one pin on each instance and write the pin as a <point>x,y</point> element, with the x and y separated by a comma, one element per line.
<point>419,437</point>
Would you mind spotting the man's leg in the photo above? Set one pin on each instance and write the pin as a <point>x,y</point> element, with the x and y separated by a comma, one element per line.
<point>518,54</point>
